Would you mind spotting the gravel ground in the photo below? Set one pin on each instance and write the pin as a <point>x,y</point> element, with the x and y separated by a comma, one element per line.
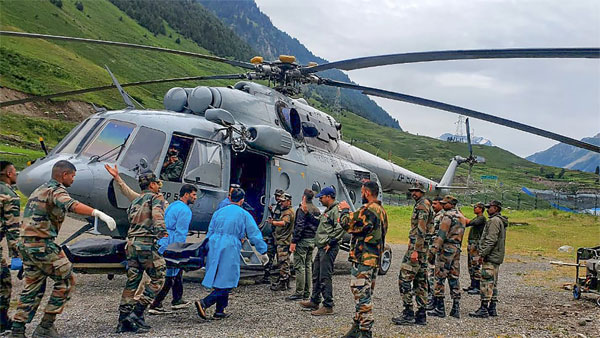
<point>524,310</point>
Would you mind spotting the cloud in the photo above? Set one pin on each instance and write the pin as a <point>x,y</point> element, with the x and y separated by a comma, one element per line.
<point>561,95</point>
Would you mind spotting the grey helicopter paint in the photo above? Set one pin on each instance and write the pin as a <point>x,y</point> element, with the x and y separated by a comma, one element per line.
<point>250,122</point>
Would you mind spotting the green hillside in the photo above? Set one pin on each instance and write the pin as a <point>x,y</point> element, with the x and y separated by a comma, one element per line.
<point>44,67</point>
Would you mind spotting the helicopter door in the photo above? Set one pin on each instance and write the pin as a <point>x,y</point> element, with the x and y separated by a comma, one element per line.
<point>249,170</point>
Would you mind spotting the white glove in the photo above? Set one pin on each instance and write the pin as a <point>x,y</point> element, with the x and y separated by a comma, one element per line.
<point>110,222</point>
<point>264,259</point>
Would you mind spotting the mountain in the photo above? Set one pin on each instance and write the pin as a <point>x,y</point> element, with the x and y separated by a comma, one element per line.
<point>254,27</point>
<point>569,157</point>
<point>463,139</point>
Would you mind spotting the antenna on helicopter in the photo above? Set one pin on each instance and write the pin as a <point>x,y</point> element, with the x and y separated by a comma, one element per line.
<point>126,97</point>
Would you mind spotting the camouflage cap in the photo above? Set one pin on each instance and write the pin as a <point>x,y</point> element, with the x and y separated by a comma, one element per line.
<point>278,192</point>
<point>450,199</point>
<point>417,186</point>
<point>147,178</point>
<point>173,152</point>
<point>286,197</point>
<point>494,203</point>
<point>479,205</point>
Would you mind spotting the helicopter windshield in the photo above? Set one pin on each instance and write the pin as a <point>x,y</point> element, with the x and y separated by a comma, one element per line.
<point>147,145</point>
<point>109,142</point>
<point>74,142</point>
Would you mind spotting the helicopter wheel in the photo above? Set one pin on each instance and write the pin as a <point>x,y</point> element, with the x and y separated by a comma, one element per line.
<point>385,260</point>
<point>576,292</point>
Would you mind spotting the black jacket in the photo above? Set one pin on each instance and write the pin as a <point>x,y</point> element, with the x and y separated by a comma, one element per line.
<point>306,224</point>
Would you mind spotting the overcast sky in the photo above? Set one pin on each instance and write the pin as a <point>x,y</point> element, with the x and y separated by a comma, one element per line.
<point>562,95</point>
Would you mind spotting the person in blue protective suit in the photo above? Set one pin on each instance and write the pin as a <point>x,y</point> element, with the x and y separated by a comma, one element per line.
<point>227,200</point>
<point>228,227</point>
<point>177,219</point>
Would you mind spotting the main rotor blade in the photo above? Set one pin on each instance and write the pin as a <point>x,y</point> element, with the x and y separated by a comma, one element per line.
<point>401,58</point>
<point>111,86</point>
<point>469,139</point>
<point>463,111</point>
<point>128,45</point>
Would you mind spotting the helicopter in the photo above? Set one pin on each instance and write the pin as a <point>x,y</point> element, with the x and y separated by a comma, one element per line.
<point>257,136</point>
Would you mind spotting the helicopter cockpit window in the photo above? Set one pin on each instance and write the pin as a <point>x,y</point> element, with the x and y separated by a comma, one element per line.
<point>177,154</point>
<point>205,164</point>
<point>147,145</point>
<point>73,143</point>
<point>111,140</point>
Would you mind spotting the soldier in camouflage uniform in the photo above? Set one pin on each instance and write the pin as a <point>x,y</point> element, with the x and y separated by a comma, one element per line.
<point>446,247</point>
<point>368,227</point>
<point>172,167</point>
<point>267,232</point>
<point>146,226</point>
<point>284,226</point>
<point>10,213</point>
<point>477,224</point>
<point>438,211</point>
<point>413,274</point>
<point>42,258</point>
<point>491,249</point>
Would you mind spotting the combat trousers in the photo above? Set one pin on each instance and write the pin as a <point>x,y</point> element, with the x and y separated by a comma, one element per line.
<point>489,281</point>
<point>473,261</point>
<point>412,280</point>
<point>218,296</point>
<point>322,274</point>
<point>447,266</point>
<point>175,282</point>
<point>5,284</point>
<point>361,285</point>
<point>430,271</point>
<point>142,255</point>
<point>42,258</point>
<point>303,266</point>
<point>283,261</point>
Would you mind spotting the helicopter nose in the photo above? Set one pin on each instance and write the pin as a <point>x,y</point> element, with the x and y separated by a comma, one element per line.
<point>41,172</point>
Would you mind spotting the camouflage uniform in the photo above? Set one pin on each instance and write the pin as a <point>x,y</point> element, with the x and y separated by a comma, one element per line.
<point>43,216</point>
<point>431,267</point>
<point>10,212</point>
<point>413,276</point>
<point>172,172</point>
<point>147,225</point>
<point>368,227</point>
<point>477,224</point>
<point>268,235</point>
<point>447,247</point>
<point>283,236</point>
<point>492,244</point>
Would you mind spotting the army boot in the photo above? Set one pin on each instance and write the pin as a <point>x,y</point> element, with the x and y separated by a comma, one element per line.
<point>365,334</point>
<point>455,312</point>
<point>353,332</point>
<point>482,312</point>
<point>440,310</point>
<point>470,287</point>
<point>281,285</point>
<point>18,330</point>
<point>309,305</point>
<point>138,317</point>
<point>431,304</point>
<point>5,322</point>
<point>421,317</point>
<point>408,317</point>
<point>475,289</point>
<point>125,325</point>
<point>46,328</point>
<point>492,309</point>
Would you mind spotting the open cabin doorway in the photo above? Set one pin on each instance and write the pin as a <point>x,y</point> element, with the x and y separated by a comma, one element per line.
<point>249,170</point>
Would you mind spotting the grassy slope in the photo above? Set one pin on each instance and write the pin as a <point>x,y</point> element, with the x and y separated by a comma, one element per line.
<point>547,230</point>
<point>43,67</point>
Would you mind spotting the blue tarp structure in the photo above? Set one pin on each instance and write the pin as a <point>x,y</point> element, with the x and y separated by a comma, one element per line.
<point>554,205</point>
